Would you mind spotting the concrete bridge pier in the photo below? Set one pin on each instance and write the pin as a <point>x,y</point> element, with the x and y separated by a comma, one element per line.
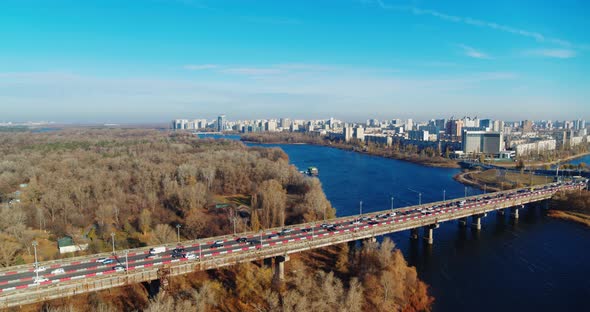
<point>279,268</point>
<point>514,213</point>
<point>501,212</point>
<point>476,221</point>
<point>267,262</point>
<point>463,222</point>
<point>429,233</point>
<point>414,234</point>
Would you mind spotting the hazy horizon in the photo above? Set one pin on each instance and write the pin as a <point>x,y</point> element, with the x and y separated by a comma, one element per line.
<point>156,60</point>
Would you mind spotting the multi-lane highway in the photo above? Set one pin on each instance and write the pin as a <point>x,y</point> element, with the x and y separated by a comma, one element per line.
<point>24,279</point>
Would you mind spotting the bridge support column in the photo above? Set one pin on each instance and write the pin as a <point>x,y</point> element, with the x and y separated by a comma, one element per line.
<point>429,233</point>
<point>463,222</point>
<point>501,212</point>
<point>279,268</point>
<point>372,239</point>
<point>514,213</point>
<point>414,234</point>
<point>267,262</point>
<point>476,221</point>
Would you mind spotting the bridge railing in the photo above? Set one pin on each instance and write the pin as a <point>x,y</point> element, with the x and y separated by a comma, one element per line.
<point>42,293</point>
<point>204,241</point>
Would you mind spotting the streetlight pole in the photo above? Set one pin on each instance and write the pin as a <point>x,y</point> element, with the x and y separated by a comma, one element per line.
<point>419,199</point>
<point>361,208</point>
<point>113,241</point>
<point>392,204</point>
<point>200,253</point>
<point>178,232</point>
<point>126,260</point>
<point>36,262</point>
<point>444,195</point>
<point>485,186</point>
<point>466,191</point>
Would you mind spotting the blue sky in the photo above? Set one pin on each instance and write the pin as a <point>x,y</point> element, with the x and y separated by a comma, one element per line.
<point>154,60</point>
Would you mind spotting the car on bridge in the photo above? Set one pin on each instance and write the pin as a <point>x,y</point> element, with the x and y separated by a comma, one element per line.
<point>254,242</point>
<point>119,268</point>
<point>40,269</point>
<point>190,256</point>
<point>217,244</point>
<point>306,230</point>
<point>108,261</point>
<point>40,280</point>
<point>241,240</point>
<point>285,232</point>
<point>58,271</point>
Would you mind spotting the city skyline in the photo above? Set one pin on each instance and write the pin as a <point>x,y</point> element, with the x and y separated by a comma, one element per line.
<point>354,60</point>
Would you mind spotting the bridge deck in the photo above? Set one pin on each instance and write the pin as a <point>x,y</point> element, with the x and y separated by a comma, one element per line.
<point>83,274</point>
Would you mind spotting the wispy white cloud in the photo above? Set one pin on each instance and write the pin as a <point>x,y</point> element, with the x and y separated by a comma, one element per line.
<point>472,52</point>
<point>41,94</point>
<point>257,71</point>
<point>200,66</point>
<point>253,71</point>
<point>480,23</point>
<point>553,53</point>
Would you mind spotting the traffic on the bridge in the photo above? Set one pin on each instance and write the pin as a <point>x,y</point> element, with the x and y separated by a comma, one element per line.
<point>41,274</point>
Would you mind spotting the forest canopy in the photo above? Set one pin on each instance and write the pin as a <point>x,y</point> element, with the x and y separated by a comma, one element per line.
<point>140,184</point>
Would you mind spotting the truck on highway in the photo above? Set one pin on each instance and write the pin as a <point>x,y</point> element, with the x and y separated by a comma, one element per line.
<point>157,250</point>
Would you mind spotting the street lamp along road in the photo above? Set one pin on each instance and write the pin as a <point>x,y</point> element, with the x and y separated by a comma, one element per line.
<point>113,240</point>
<point>36,262</point>
<point>178,232</point>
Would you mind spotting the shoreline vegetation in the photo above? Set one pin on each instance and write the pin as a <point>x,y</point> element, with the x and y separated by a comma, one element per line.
<point>72,182</point>
<point>572,206</point>
<point>409,153</point>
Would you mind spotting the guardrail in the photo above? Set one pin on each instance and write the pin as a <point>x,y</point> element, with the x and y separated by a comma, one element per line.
<point>111,279</point>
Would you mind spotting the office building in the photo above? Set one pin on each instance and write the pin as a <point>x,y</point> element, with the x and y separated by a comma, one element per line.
<point>477,142</point>
<point>418,135</point>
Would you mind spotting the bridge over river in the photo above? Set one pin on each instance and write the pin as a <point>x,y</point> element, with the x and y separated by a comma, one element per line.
<point>20,285</point>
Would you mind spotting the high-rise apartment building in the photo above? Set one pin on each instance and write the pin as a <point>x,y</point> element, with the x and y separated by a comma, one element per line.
<point>220,123</point>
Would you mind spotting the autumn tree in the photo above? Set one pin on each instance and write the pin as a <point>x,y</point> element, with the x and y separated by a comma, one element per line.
<point>272,200</point>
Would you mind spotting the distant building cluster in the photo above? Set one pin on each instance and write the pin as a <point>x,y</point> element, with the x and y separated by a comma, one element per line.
<point>465,137</point>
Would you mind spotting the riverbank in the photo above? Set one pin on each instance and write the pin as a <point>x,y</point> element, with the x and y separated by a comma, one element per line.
<point>495,180</point>
<point>573,206</point>
<point>373,150</point>
<point>539,164</point>
<point>570,216</point>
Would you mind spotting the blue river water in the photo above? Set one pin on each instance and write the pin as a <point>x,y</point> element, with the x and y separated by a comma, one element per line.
<point>535,264</point>
<point>584,159</point>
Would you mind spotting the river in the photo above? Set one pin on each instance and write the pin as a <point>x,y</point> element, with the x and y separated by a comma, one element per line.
<point>583,159</point>
<point>535,264</point>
